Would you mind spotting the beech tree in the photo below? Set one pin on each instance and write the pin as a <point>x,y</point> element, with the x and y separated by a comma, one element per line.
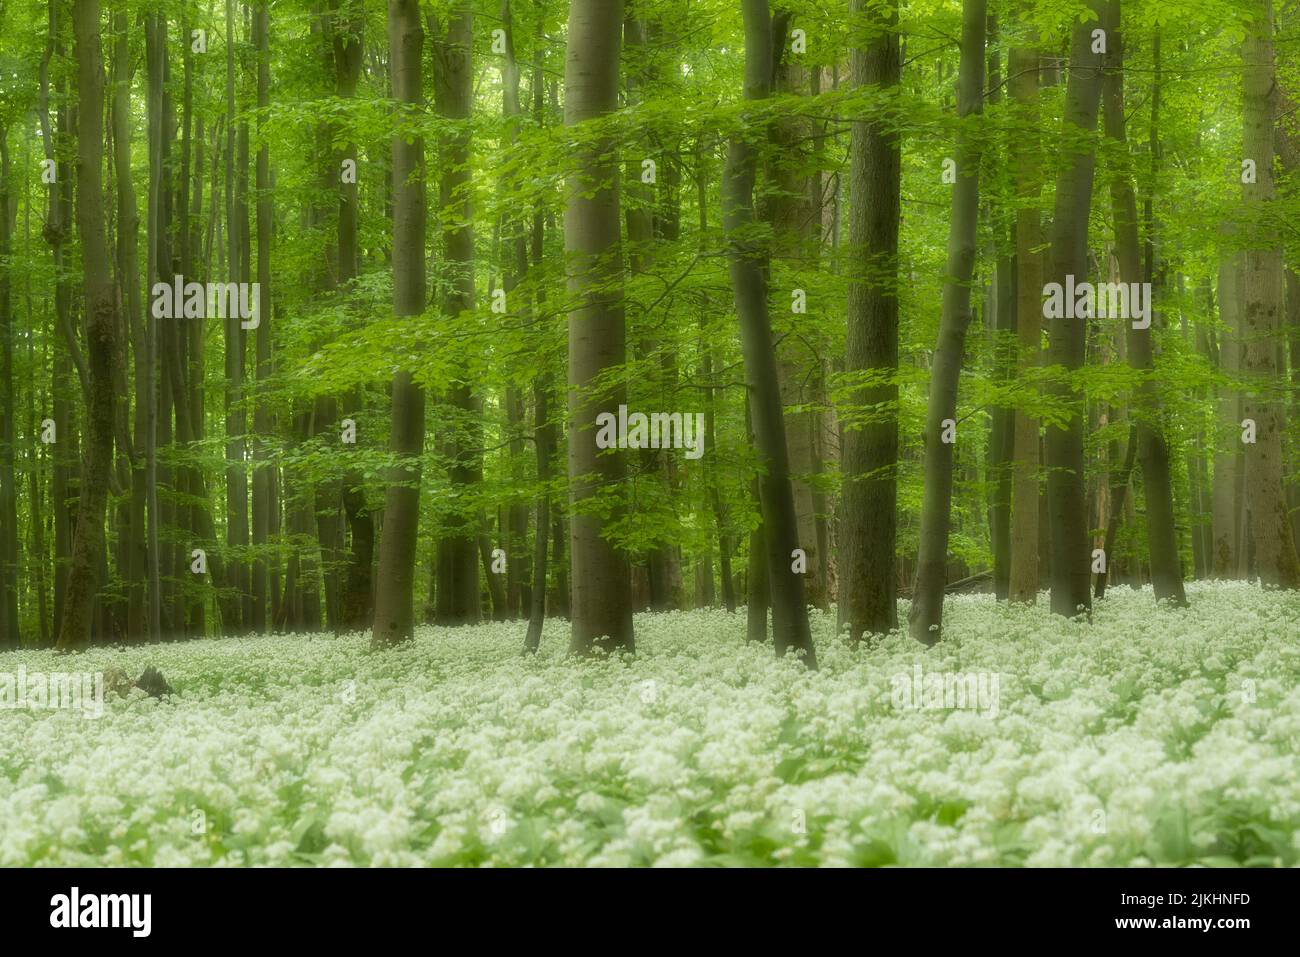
<point>101,330</point>
<point>868,522</point>
<point>1067,337</point>
<point>394,591</point>
<point>780,527</point>
<point>602,600</point>
<point>926,617</point>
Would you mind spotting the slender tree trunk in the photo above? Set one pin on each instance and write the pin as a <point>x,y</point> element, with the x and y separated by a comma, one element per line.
<point>1226,545</point>
<point>1153,452</point>
<point>1001,323</point>
<point>868,529</point>
<point>263,471</point>
<point>758,588</point>
<point>192,335</point>
<point>394,592</point>
<point>101,328</point>
<point>36,468</point>
<point>458,558</point>
<point>157,269</point>
<point>792,206</point>
<point>1118,497</point>
<point>236,479</point>
<point>544,438</point>
<point>57,225</point>
<point>638,214</point>
<point>517,589</point>
<point>1071,557</point>
<point>602,596</point>
<point>1022,69</point>
<point>925,620</point>
<point>720,514</point>
<point>790,627</point>
<point>356,599</point>
<point>8,489</point>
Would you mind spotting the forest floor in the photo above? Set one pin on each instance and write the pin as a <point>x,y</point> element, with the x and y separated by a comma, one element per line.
<point>1151,736</point>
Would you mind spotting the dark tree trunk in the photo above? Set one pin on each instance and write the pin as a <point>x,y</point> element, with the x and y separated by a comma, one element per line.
<point>868,526</point>
<point>458,559</point>
<point>8,490</point>
<point>1022,571</point>
<point>1071,558</point>
<point>263,423</point>
<point>1153,451</point>
<point>236,229</point>
<point>356,598</point>
<point>101,330</point>
<point>544,438</point>
<point>790,627</point>
<point>394,591</point>
<point>925,620</point>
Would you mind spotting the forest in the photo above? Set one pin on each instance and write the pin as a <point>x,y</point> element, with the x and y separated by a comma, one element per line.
<point>666,432</point>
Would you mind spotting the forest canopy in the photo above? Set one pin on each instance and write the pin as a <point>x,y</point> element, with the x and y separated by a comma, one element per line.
<point>343,316</point>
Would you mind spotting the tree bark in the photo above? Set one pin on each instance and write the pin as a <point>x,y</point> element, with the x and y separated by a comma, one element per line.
<point>790,627</point>
<point>868,528</point>
<point>1067,338</point>
<point>236,480</point>
<point>101,330</point>
<point>925,620</point>
<point>356,598</point>
<point>458,558</point>
<point>394,591</point>
<point>9,637</point>
<point>601,581</point>
<point>1270,525</point>
<point>1023,79</point>
<point>1153,451</point>
<point>1226,546</point>
<point>264,505</point>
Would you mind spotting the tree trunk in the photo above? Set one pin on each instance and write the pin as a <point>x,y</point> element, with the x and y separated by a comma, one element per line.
<point>236,480</point>
<point>1001,323</point>
<point>1153,452</point>
<point>101,330</point>
<point>545,433</point>
<point>868,529</point>
<point>458,558</point>
<point>1067,338</point>
<point>1118,497</point>
<point>1270,525</point>
<point>544,439</point>
<point>792,207</point>
<point>601,582</point>
<point>790,627</point>
<point>59,199</point>
<point>1226,545</point>
<point>394,591</point>
<point>263,421</point>
<point>356,598</point>
<point>925,621</point>
<point>8,489</point>
<point>1022,70</point>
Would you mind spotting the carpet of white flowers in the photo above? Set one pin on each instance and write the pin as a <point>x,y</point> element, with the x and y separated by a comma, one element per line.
<point>1152,736</point>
